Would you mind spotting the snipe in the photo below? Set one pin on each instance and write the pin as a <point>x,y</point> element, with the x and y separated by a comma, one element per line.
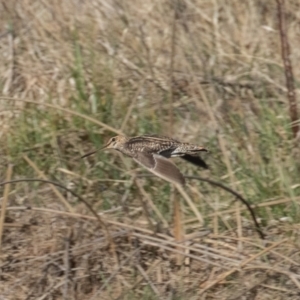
<point>153,151</point>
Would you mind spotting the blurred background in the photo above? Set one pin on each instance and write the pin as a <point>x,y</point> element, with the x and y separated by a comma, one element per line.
<point>75,73</point>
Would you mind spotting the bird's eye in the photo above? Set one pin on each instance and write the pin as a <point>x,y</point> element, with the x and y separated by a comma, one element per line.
<point>113,139</point>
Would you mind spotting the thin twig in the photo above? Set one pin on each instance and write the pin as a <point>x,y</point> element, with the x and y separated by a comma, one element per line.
<point>237,195</point>
<point>10,75</point>
<point>67,263</point>
<point>229,190</point>
<point>217,213</point>
<point>4,203</point>
<point>190,203</point>
<point>178,230</point>
<point>285,52</point>
<point>151,204</point>
<point>132,104</point>
<point>139,280</point>
<point>171,70</point>
<point>147,279</point>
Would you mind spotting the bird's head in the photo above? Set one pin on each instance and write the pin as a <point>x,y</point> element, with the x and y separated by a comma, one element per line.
<point>115,142</point>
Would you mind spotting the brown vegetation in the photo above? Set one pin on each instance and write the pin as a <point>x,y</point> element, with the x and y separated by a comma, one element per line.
<point>74,73</point>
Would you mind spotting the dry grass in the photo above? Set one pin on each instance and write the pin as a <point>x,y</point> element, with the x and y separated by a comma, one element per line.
<point>73,73</point>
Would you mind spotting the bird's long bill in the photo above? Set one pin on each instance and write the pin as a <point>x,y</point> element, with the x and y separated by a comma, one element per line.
<point>93,152</point>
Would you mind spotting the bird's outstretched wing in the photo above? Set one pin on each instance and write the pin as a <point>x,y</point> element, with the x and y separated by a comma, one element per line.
<point>160,166</point>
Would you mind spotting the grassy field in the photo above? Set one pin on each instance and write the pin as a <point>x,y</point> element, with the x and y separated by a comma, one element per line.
<point>74,74</point>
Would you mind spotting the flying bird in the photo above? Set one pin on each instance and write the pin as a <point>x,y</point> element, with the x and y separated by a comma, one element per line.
<point>153,153</point>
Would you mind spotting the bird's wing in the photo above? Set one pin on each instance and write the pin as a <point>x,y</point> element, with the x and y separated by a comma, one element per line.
<point>196,160</point>
<point>160,166</point>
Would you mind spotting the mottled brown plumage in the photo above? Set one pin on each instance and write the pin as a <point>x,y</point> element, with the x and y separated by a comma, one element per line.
<point>153,151</point>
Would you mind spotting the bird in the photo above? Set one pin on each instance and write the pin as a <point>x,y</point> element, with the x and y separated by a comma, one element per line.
<point>153,152</point>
